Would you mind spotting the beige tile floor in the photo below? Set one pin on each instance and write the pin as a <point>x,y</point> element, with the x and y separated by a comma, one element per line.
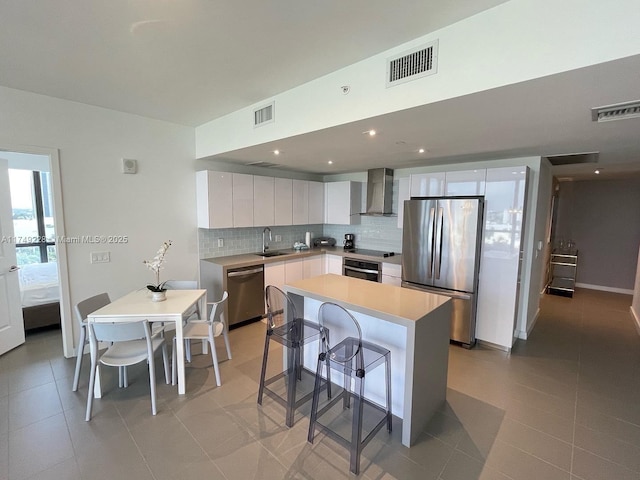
<point>564,405</point>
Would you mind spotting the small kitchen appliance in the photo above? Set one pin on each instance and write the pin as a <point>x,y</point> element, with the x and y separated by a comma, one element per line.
<point>324,242</point>
<point>349,241</point>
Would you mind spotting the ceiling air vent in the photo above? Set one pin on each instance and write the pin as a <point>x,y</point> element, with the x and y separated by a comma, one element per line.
<point>619,111</point>
<point>264,115</point>
<point>412,65</point>
<point>573,158</point>
<point>263,164</point>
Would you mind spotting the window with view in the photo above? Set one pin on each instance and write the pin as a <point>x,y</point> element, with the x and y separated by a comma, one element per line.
<point>32,208</point>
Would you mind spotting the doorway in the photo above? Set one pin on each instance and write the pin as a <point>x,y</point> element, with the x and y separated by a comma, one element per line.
<point>47,159</point>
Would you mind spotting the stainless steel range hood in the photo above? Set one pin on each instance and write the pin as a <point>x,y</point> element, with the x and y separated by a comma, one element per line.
<point>379,192</point>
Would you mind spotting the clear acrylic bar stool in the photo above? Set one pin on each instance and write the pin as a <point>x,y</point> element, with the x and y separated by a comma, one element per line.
<point>284,327</point>
<point>352,359</point>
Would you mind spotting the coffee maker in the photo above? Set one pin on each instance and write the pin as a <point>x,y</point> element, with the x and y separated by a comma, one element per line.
<point>349,241</point>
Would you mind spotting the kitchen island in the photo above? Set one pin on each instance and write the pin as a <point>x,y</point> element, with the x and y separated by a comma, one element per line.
<point>413,325</point>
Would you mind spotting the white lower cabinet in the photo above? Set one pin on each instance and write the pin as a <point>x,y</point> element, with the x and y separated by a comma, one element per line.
<point>293,270</point>
<point>274,274</point>
<point>392,274</point>
<point>313,266</point>
<point>333,264</point>
<point>281,273</point>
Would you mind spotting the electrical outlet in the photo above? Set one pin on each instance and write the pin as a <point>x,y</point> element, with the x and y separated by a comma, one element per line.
<point>278,238</point>
<point>100,257</point>
<point>221,242</point>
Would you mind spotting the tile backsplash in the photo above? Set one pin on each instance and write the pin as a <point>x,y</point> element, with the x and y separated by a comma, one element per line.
<point>249,240</point>
<point>376,233</point>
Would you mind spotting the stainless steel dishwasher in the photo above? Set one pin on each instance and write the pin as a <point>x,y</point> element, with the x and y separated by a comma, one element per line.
<point>246,293</point>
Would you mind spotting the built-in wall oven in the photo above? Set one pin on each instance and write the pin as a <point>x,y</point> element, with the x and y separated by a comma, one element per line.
<point>364,269</point>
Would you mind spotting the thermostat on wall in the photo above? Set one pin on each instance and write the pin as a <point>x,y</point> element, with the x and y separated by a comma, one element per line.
<point>129,165</point>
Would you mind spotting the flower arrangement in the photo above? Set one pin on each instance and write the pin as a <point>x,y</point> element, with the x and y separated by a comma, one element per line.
<point>155,266</point>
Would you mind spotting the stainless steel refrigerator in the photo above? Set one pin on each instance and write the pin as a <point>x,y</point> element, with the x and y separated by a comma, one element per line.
<point>441,254</point>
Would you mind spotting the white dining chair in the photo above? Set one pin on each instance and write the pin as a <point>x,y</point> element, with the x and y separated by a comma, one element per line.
<point>131,343</point>
<point>206,330</point>
<point>194,311</point>
<point>82,309</point>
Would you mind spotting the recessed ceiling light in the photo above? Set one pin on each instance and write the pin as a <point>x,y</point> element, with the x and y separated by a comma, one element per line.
<point>276,152</point>
<point>421,150</point>
<point>330,162</point>
<point>371,133</point>
<point>597,172</point>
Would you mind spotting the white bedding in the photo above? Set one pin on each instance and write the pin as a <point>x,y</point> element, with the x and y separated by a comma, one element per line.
<point>39,284</point>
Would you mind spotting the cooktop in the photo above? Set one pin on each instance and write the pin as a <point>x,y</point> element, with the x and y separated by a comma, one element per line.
<point>371,253</point>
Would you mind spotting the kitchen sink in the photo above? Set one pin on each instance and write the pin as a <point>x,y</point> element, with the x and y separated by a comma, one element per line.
<point>271,254</point>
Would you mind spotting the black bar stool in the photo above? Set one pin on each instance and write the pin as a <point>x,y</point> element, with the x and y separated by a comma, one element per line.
<point>286,328</point>
<point>353,358</point>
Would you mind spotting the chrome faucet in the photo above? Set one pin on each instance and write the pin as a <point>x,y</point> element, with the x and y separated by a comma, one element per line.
<point>265,247</point>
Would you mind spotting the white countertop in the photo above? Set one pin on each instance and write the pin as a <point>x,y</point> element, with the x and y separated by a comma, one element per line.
<point>387,302</point>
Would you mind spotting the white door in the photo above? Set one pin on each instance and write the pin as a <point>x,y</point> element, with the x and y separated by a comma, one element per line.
<point>11,322</point>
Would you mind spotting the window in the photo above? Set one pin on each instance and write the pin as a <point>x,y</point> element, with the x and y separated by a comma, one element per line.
<point>32,208</point>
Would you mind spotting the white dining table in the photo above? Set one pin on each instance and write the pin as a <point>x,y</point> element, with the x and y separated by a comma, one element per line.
<point>137,306</point>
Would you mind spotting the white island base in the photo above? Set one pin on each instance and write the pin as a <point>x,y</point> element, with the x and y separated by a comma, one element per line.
<point>413,325</point>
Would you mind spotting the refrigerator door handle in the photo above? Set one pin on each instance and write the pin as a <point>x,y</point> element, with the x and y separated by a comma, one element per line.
<point>431,236</point>
<point>438,242</point>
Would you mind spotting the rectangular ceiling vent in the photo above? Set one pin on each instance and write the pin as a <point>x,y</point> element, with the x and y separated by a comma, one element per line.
<point>412,65</point>
<point>573,158</point>
<point>263,164</point>
<point>619,111</point>
<point>264,115</point>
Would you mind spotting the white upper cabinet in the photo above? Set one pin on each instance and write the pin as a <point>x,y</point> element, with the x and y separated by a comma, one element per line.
<point>343,202</point>
<point>283,201</point>
<point>427,184</point>
<point>308,202</point>
<point>404,193</point>
<point>263,201</point>
<point>242,200</point>
<point>300,202</point>
<point>214,199</point>
<point>465,183</point>
<point>316,202</point>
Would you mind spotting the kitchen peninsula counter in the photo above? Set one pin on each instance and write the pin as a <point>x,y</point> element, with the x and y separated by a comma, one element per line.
<point>414,325</point>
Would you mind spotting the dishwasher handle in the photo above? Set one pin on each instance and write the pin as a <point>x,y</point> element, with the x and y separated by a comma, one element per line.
<point>244,273</point>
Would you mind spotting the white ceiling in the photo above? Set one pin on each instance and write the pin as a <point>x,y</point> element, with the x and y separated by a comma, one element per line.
<point>191,61</point>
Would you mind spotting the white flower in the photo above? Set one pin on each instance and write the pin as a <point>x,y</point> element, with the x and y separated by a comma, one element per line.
<point>155,265</point>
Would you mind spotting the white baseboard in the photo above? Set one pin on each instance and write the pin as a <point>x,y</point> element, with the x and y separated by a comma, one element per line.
<point>636,318</point>
<point>523,335</point>
<point>605,289</point>
<point>494,346</point>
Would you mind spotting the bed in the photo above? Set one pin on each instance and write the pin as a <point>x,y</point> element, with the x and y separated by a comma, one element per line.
<point>40,295</point>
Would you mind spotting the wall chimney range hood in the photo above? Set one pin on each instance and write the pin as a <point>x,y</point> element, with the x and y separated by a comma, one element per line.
<point>379,192</point>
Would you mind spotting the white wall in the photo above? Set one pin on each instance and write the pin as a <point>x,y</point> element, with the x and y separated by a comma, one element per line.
<point>156,204</point>
<point>514,42</point>
<point>535,248</point>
